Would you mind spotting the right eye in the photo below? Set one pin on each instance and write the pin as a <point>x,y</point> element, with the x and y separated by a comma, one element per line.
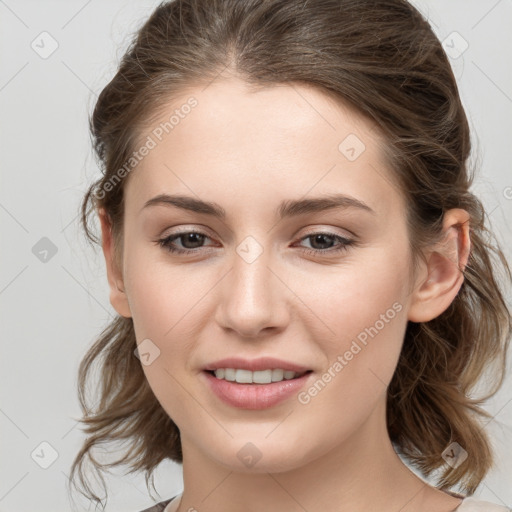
<point>185,237</point>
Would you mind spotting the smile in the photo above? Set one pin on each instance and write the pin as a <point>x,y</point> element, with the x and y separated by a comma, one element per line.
<point>245,393</point>
<point>257,377</point>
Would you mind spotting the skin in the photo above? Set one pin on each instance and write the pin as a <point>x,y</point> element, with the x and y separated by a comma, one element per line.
<point>247,151</point>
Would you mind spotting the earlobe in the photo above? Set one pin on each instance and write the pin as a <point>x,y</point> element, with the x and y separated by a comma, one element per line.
<point>118,297</point>
<point>446,262</point>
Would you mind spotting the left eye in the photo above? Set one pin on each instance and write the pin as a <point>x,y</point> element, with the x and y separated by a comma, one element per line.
<point>318,239</point>
<point>196,238</point>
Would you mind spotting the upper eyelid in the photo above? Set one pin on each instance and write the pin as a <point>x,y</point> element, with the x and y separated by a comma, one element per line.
<point>330,231</point>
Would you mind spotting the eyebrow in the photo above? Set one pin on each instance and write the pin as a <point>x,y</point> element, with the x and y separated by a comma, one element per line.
<point>290,208</point>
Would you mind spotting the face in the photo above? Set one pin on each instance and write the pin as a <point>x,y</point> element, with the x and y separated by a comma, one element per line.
<point>326,289</point>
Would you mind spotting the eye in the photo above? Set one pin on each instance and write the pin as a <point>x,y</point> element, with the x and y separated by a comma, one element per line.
<point>186,238</point>
<point>324,238</point>
<point>191,242</point>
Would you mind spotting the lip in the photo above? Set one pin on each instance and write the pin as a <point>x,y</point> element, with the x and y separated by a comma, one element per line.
<point>262,363</point>
<point>254,396</point>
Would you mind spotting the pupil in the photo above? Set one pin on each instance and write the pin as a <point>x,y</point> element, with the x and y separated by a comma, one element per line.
<point>320,237</point>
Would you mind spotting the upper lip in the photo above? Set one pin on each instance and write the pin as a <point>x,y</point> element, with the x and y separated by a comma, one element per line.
<point>262,363</point>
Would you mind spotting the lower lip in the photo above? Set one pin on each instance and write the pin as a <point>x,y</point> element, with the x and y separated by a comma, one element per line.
<point>255,396</point>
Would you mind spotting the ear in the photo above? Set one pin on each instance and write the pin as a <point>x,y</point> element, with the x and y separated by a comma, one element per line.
<point>442,278</point>
<point>118,297</point>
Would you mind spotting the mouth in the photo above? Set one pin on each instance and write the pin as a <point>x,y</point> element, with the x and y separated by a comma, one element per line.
<point>254,395</point>
<point>255,383</point>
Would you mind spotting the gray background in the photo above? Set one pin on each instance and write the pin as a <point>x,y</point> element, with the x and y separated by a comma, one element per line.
<point>52,310</point>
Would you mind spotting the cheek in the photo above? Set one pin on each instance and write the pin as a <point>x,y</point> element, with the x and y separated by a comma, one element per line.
<point>162,302</point>
<point>168,303</point>
<point>161,294</point>
<point>371,291</point>
<point>364,305</point>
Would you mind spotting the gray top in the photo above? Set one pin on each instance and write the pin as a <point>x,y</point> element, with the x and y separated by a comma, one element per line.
<point>159,507</point>
<point>467,505</point>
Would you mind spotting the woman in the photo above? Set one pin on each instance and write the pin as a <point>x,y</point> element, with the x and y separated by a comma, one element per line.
<point>305,284</point>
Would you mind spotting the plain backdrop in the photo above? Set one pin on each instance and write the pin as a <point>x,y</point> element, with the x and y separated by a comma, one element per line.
<point>56,56</point>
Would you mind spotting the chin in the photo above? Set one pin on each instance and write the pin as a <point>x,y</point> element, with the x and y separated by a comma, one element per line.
<point>261,457</point>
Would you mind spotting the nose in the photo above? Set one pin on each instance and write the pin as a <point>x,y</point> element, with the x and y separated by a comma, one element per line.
<point>254,299</point>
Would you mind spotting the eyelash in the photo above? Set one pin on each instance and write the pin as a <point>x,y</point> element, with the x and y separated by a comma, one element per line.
<point>165,243</point>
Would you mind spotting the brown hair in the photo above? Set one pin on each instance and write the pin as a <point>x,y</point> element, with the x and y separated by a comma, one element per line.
<point>384,60</point>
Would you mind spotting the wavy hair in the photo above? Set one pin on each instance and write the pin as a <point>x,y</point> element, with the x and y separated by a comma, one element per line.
<point>383,59</point>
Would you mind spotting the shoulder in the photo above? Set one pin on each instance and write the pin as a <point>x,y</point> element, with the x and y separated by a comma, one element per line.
<point>159,507</point>
<point>474,505</point>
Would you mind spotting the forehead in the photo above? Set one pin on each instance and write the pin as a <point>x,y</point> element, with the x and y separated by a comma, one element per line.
<point>257,143</point>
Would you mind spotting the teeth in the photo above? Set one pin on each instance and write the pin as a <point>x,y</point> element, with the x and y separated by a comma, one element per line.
<point>258,377</point>
<point>277,375</point>
<point>229,374</point>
